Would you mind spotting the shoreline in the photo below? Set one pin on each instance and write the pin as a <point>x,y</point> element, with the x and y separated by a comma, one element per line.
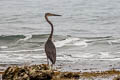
<point>43,69</point>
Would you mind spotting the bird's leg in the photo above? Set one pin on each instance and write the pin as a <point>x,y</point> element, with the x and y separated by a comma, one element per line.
<point>51,67</point>
<point>47,62</point>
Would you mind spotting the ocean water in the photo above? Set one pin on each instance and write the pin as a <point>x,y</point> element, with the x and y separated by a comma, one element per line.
<point>87,33</point>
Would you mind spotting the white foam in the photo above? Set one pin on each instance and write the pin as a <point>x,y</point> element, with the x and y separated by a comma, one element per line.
<point>39,56</point>
<point>108,59</point>
<point>64,42</point>
<point>81,43</point>
<point>22,51</point>
<point>65,57</point>
<point>81,55</point>
<point>114,41</point>
<point>3,47</point>
<point>105,55</point>
<point>27,37</point>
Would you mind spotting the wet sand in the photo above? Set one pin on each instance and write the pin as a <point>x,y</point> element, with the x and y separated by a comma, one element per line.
<point>89,65</point>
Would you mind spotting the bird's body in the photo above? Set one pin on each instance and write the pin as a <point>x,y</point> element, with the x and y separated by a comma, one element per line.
<point>50,49</point>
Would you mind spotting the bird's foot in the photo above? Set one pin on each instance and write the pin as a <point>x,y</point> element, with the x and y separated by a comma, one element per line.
<point>52,67</point>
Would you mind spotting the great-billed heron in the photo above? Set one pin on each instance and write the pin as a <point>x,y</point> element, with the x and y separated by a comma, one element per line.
<point>49,45</point>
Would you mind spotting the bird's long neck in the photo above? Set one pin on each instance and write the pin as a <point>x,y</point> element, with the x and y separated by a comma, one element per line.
<point>52,29</point>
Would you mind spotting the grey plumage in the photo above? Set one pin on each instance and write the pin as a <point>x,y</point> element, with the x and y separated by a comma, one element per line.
<point>50,49</point>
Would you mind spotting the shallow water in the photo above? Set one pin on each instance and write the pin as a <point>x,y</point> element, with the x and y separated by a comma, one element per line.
<point>87,34</point>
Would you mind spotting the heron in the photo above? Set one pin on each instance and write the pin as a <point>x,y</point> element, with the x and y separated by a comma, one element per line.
<point>50,48</point>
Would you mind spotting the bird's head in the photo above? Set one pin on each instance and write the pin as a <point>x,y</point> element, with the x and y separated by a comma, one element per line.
<point>50,14</point>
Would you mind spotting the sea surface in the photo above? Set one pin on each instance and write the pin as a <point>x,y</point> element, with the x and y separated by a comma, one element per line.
<point>87,35</point>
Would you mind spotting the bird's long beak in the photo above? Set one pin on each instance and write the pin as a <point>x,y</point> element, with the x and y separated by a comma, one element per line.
<point>56,15</point>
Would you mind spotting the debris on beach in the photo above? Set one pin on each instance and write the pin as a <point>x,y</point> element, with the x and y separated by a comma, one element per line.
<point>43,72</point>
